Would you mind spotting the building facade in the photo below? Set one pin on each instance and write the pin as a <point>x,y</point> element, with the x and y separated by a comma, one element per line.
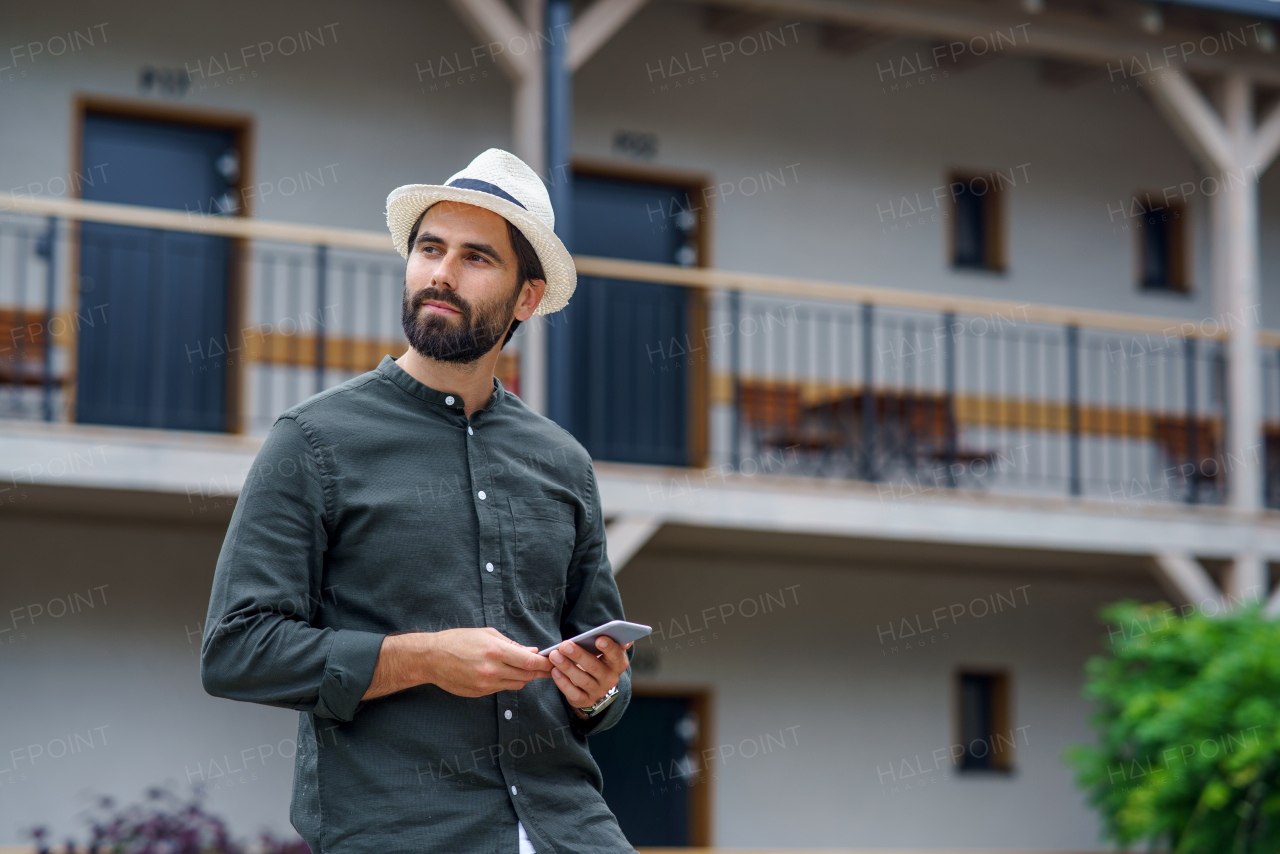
<point>907,335</point>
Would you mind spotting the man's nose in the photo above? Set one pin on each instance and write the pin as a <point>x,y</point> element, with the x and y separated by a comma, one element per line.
<point>446,271</point>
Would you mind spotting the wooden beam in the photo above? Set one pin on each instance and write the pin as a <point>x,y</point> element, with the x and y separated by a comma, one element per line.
<point>493,21</point>
<point>596,25</point>
<point>1052,33</point>
<point>527,105</point>
<point>1184,576</point>
<point>529,138</point>
<point>1195,122</point>
<point>626,535</point>
<point>1237,282</point>
<point>1247,580</point>
<point>1266,141</point>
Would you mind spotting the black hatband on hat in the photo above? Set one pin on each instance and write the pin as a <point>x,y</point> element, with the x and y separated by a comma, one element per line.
<point>484,187</point>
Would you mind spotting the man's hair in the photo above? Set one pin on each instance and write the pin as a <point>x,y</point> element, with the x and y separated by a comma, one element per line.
<point>528,264</point>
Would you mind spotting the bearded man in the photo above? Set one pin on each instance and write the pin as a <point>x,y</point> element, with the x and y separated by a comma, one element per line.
<point>405,544</point>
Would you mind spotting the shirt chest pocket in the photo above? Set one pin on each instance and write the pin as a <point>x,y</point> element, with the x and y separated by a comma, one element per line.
<point>545,534</point>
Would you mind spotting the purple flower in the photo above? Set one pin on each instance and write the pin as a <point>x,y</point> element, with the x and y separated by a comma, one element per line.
<point>163,824</point>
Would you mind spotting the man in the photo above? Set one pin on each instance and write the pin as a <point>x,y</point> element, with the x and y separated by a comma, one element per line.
<point>408,540</point>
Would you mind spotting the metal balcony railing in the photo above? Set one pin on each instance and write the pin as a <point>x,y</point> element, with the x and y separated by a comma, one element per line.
<point>914,392</point>
<point>305,309</point>
<point>919,393</point>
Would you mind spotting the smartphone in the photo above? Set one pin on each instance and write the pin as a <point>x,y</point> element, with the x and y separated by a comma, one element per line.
<point>619,631</point>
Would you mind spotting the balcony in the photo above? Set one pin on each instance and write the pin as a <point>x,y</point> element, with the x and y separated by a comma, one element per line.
<point>103,323</point>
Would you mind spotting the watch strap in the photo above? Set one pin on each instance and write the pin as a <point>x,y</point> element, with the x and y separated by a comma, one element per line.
<point>592,711</point>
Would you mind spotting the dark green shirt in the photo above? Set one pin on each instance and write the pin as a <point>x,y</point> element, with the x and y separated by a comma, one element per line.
<point>376,507</point>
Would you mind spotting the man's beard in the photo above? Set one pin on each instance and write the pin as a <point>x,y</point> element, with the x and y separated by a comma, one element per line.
<point>446,339</point>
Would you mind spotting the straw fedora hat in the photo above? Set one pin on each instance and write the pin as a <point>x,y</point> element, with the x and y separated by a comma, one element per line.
<point>503,183</point>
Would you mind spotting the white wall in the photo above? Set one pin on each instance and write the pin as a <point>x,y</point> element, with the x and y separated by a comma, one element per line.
<point>824,665</point>
<point>120,668</point>
<point>819,675</point>
<point>859,149</point>
<point>849,150</point>
<point>129,665</point>
<point>355,102</point>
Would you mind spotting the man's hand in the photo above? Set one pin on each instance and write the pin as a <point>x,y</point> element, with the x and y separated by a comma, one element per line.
<point>583,676</point>
<point>476,662</point>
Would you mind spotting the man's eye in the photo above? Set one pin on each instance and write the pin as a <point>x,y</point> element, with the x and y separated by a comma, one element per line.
<point>481,257</point>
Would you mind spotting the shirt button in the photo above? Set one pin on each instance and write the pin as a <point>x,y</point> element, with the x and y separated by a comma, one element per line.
<point>449,400</point>
<point>513,790</point>
<point>489,567</point>
<point>469,430</point>
<point>507,714</point>
<point>481,494</point>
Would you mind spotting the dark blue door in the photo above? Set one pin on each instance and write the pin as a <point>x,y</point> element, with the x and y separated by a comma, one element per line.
<point>615,385</point>
<point>159,299</point>
<point>651,768</point>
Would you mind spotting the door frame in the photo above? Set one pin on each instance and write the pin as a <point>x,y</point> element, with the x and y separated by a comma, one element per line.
<point>242,128</point>
<point>702,699</point>
<point>695,184</point>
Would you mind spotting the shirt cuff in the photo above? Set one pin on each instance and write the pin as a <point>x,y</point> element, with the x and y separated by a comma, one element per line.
<point>348,672</point>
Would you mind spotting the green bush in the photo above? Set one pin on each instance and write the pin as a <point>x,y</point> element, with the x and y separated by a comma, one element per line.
<point>1188,720</point>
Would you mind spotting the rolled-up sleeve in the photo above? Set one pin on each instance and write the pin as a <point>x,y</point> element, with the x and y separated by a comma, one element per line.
<point>592,598</point>
<point>259,643</point>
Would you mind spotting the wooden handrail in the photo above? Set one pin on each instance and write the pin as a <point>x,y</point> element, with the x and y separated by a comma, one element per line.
<point>670,274</point>
<point>202,223</point>
<point>1012,312</point>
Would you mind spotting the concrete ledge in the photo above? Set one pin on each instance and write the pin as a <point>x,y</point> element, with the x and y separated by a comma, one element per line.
<point>197,476</point>
<point>35,453</point>
<point>959,517</point>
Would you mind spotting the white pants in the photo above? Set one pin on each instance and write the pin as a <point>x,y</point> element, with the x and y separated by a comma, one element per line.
<point>526,847</point>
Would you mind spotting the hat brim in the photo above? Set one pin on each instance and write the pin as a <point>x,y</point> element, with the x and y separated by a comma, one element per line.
<point>405,204</point>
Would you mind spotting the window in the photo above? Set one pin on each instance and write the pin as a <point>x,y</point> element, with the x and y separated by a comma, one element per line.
<point>1161,246</point>
<point>986,738</point>
<point>977,224</point>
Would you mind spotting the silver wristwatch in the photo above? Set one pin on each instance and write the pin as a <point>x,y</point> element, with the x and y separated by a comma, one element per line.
<point>592,711</point>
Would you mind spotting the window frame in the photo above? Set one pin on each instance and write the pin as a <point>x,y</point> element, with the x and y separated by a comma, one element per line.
<point>995,224</point>
<point>1177,251</point>
<point>1002,761</point>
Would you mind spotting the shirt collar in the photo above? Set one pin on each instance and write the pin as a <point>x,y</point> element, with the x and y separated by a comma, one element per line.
<point>398,375</point>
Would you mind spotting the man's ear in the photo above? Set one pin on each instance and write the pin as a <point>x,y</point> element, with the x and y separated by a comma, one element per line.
<point>531,294</point>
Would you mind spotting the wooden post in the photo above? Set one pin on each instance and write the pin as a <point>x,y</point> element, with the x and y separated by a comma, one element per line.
<point>1234,151</point>
<point>493,21</point>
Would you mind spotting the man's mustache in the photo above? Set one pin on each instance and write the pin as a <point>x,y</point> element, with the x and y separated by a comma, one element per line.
<point>422,297</point>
